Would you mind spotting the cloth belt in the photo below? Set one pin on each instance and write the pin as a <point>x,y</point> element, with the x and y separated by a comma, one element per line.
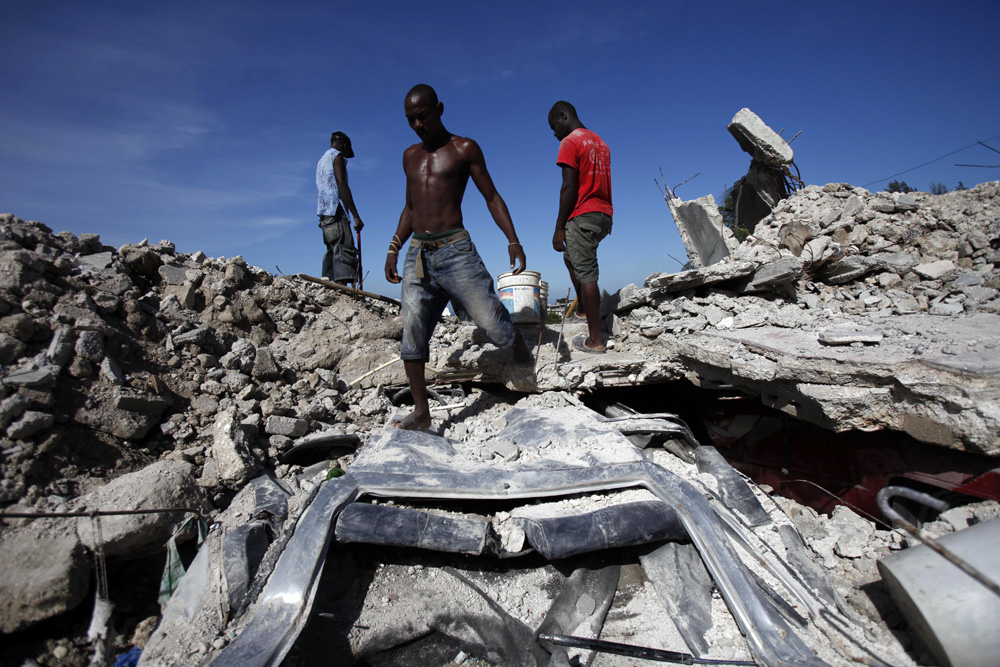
<point>433,244</point>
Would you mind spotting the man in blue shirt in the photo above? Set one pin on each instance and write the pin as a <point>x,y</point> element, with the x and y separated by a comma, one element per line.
<point>340,263</point>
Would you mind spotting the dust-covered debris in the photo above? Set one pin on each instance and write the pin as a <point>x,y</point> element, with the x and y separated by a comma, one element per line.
<point>850,309</point>
<point>909,283</point>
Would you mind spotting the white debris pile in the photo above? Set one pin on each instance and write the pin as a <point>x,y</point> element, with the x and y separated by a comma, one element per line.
<point>141,378</point>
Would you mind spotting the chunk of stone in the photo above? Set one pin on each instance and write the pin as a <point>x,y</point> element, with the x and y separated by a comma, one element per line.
<point>173,274</point>
<point>164,484</point>
<point>967,279</point>
<point>197,336</point>
<point>947,308</point>
<point>849,546</point>
<point>30,423</point>
<point>11,349</point>
<point>186,294</point>
<point>38,376</point>
<point>112,371</point>
<point>847,269</point>
<point>13,407</point>
<point>149,404</point>
<point>883,205</point>
<point>678,282</point>
<point>848,337</point>
<point>116,283</point>
<point>287,426</point>
<point>794,236</point>
<point>205,405</point>
<point>265,368</point>
<point>61,346</point>
<point>906,202</point>
<point>90,346</point>
<point>46,571</point>
<point>942,269</point>
<point>899,262</point>
<point>830,217</point>
<point>759,140</point>
<point>125,424</point>
<point>18,325</point>
<point>852,206</point>
<point>96,261</point>
<point>784,270</point>
<point>142,259</point>
<point>230,450</point>
<point>240,356</point>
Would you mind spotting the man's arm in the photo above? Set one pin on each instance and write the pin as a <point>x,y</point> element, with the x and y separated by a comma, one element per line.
<point>497,206</point>
<point>340,173</point>
<point>403,231</point>
<point>568,193</point>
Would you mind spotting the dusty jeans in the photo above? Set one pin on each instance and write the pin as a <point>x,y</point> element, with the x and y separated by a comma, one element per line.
<point>452,271</point>
<point>340,262</point>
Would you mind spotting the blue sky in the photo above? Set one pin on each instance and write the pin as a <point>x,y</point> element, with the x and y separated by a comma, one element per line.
<point>202,122</point>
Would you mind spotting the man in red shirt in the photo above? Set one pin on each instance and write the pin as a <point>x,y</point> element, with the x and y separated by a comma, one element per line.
<point>584,212</point>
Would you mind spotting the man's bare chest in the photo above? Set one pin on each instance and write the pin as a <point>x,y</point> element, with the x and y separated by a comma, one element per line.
<point>438,167</point>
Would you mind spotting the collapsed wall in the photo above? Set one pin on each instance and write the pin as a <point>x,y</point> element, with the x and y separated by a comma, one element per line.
<point>850,309</point>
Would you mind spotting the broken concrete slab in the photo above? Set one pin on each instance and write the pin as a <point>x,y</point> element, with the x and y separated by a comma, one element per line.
<point>849,337</point>
<point>759,140</point>
<point>709,275</point>
<point>784,271</point>
<point>43,375</point>
<point>879,386</point>
<point>705,236</point>
<point>938,270</point>
<point>848,268</point>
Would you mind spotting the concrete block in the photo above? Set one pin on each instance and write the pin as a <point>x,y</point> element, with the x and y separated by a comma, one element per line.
<point>702,230</point>
<point>759,140</point>
<point>942,269</point>
<point>717,273</point>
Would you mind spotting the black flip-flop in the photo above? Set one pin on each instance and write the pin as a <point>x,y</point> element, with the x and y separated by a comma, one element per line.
<point>580,343</point>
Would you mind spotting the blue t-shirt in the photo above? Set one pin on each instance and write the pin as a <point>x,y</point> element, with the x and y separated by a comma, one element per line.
<point>326,184</point>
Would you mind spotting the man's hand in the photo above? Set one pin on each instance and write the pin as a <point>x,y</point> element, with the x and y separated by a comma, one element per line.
<point>559,240</point>
<point>390,269</point>
<point>358,225</point>
<point>516,253</point>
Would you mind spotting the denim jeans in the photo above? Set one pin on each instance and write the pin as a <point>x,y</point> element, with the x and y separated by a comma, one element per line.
<point>452,272</point>
<point>340,262</point>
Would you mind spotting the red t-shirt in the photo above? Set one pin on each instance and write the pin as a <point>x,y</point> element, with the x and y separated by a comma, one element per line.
<point>588,154</point>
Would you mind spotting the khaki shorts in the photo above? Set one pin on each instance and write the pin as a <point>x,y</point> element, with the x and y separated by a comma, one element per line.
<point>583,234</point>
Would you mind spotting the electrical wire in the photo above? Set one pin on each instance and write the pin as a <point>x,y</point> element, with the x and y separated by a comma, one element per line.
<point>930,162</point>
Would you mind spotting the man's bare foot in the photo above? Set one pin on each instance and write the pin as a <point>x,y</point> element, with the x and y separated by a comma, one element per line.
<point>414,422</point>
<point>588,345</point>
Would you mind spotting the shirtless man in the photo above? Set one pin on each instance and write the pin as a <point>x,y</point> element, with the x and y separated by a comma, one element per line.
<point>442,263</point>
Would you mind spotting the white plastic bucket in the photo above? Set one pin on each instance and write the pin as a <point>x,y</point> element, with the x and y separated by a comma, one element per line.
<point>521,296</point>
<point>543,289</point>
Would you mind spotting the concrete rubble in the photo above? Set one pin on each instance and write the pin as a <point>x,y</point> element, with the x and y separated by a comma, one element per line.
<point>769,178</point>
<point>142,378</point>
